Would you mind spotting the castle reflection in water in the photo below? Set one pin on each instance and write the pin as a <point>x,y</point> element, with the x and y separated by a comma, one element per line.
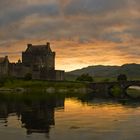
<point>37,116</point>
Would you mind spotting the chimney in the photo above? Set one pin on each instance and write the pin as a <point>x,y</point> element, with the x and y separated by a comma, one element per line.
<point>29,45</point>
<point>48,44</point>
<point>6,58</point>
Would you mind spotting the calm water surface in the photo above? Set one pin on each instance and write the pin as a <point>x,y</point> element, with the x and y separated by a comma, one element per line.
<point>69,119</point>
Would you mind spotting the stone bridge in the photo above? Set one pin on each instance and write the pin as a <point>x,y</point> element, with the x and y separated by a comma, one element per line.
<point>103,89</point>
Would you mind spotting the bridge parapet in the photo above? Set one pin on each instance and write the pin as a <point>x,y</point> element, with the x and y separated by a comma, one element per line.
<point>102,89</point>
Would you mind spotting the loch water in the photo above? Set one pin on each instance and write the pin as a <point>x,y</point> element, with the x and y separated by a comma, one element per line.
<point>60,117</point>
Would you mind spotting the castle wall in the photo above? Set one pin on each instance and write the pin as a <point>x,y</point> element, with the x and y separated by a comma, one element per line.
<point>47,74</point>
<point>39,61</point>
<point>39,56</point>
<point>36,75</point>
<point>59,74</point>
<point>4,67</point>
<point>19,70</point>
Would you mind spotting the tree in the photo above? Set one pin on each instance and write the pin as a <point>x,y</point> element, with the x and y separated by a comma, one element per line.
<point>84,77</point>
<point>2,81</point>
<point>122,78</point>
<point>5,79</point>
<point>28,76</point>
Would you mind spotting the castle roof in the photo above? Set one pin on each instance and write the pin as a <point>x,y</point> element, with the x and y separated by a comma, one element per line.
<point>39,48</point>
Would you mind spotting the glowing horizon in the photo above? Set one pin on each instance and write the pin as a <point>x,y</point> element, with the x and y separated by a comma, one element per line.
<point>82,33</point>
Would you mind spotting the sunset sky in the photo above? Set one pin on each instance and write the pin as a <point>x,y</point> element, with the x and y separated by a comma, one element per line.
<point>81,32</point>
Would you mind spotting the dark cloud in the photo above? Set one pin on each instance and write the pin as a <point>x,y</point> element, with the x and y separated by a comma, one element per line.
<point>107,22</point>
<point>18,14</point>
<point>93,7</point>
<point>89,25</point>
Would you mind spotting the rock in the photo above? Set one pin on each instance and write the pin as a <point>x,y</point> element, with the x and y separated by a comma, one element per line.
<point>50,90</point>
<point>6,90</point>
<point>20,90</point>
<point>63,90</point>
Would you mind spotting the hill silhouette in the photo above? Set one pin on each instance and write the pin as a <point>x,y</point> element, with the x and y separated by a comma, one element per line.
<point>131,70</point>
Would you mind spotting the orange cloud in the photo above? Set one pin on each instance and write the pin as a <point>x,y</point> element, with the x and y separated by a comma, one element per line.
<point>72,55</point>
<point>81,32</point>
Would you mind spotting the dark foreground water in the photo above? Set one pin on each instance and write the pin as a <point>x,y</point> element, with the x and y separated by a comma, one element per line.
<point>71,118</point>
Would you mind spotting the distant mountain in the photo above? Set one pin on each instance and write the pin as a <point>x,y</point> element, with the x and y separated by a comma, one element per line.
<point>131,70</point>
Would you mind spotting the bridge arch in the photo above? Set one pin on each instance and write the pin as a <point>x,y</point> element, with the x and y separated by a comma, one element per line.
<point>116,90</point>
<point>104,89</point>
<point>131,85</point>
<point>110,87</point>
<point>132,92</point>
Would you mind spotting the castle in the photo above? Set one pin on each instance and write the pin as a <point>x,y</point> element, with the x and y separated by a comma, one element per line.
<point>37,60</point>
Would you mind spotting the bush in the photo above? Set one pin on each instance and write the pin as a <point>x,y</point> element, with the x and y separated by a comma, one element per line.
<point>2,82</point>
<point>122,78</point>
<point>84,77</point>
<point>116,91</point>
<point>5,79</point>
<point>106,80</point>
<point>28,76</point>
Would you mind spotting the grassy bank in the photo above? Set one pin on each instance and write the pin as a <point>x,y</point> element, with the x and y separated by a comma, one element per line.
<point>47,86</point>
<point>34,90</point>
<point>41,84</point>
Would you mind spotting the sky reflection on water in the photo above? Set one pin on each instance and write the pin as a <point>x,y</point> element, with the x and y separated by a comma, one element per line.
<point>69,118</point>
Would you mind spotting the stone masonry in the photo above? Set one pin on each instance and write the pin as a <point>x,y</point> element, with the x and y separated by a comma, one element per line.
<point>37,60</point>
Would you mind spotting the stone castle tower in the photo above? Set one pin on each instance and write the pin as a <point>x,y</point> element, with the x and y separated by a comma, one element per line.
<point>37,60</point>
<point>39,56</point>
